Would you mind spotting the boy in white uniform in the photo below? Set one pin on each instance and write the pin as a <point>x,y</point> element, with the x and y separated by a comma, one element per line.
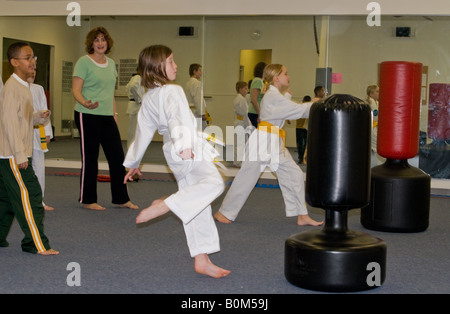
<point>266,147</point>
<point>165,108</point>
<point>40,147</point>
<point>242,124</point>
<point>135,92</point>
<point>194,94</point>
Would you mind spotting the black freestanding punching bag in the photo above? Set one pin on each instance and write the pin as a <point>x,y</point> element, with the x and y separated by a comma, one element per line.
<point>400,193</point>
<point>336,259</point>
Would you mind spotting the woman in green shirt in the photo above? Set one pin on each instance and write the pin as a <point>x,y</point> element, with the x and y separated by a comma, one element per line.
<point>255,93</point>
<point>93,85</point>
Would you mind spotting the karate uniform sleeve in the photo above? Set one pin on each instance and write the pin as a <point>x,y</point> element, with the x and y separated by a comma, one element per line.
<point>281,107</point>
<point>199,102</point>
<point>43,106</point>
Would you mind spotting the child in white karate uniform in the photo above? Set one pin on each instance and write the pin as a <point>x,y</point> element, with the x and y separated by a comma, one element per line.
<point>266,147</point>
<point>242,125</point>
<point>165,109</point>
<point>38,160</point>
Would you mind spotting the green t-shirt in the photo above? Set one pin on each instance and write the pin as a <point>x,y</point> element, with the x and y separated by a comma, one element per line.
<point>258,84</point>
<point>99,84</point>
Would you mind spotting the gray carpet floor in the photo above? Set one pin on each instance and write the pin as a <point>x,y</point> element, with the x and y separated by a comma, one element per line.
<point>115,256</point>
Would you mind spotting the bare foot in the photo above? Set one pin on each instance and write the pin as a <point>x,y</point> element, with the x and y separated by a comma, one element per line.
<point>305,220</point>
<point>46,207</point>
<point>93,206</point>
<point>49,252</point>
<point>129,205</point>
<point>221,218</point>
<point>203,265</point>
<point>157,209</point>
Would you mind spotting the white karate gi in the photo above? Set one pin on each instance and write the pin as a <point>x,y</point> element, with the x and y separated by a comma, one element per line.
<point>166,109</point>
<point>267,149</point>
<point>242,127</point>
<point>375,159</point>
<point>135,91</point>
<point>38,158</point>
<point>194,95</point>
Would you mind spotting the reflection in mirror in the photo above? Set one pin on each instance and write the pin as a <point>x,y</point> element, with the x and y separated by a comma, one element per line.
<point>347,45</point>
<point>249,58</point>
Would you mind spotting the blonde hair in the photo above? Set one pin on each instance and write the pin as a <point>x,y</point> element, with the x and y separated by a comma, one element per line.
<point>370,90</point>
<point>270,71</point>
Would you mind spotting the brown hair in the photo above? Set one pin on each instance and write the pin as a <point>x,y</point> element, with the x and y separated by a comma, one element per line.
<point>152,65</point>
<point>259,69</point>
<point>240,84</point>
<point>194,67</point>
<point>90,37</point>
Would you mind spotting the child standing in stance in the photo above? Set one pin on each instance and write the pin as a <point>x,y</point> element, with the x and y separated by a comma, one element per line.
<point>165,109</point>
<point>266,147</point>
<point>20,192</point>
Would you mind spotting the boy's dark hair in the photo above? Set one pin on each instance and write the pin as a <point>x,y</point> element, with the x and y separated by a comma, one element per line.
<point>14,49</point>
<point>90,37</point>
<point>194,67</point>
<point>306,98</point>
<point>317,89</point>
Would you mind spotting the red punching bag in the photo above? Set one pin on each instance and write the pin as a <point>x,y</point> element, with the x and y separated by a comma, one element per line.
<point>399,109</point>
<point>400,193</point>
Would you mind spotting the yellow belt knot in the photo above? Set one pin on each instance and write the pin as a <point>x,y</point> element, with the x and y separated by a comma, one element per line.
<point>270,128</point>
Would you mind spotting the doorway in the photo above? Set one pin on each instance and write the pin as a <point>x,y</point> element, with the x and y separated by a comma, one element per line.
<point>42,65</point>
<point>249,58</point>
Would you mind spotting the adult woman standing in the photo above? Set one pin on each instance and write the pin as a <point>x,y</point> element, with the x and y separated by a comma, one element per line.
<point>93,84</point>
<point>255,93</point>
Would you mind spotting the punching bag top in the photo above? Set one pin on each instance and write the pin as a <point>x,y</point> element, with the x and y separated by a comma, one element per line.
<point>338,157</point>
<point>342,102</point>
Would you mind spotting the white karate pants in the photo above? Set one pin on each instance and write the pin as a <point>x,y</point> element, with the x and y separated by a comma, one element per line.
<point>38,164</point>
<point>197,190</point>
<point>290,178</point>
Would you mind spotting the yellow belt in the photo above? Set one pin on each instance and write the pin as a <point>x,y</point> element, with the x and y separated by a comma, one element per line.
<point>239,117</point>
<point>208,118</point>
<point>270,128</point>
<point>42,135</point>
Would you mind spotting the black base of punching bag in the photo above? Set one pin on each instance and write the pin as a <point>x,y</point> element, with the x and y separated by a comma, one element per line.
<point>399,198</point>
<point>335,259</point>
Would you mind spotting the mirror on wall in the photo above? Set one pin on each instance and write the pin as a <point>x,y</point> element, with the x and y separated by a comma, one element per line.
<point>347,45</point>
